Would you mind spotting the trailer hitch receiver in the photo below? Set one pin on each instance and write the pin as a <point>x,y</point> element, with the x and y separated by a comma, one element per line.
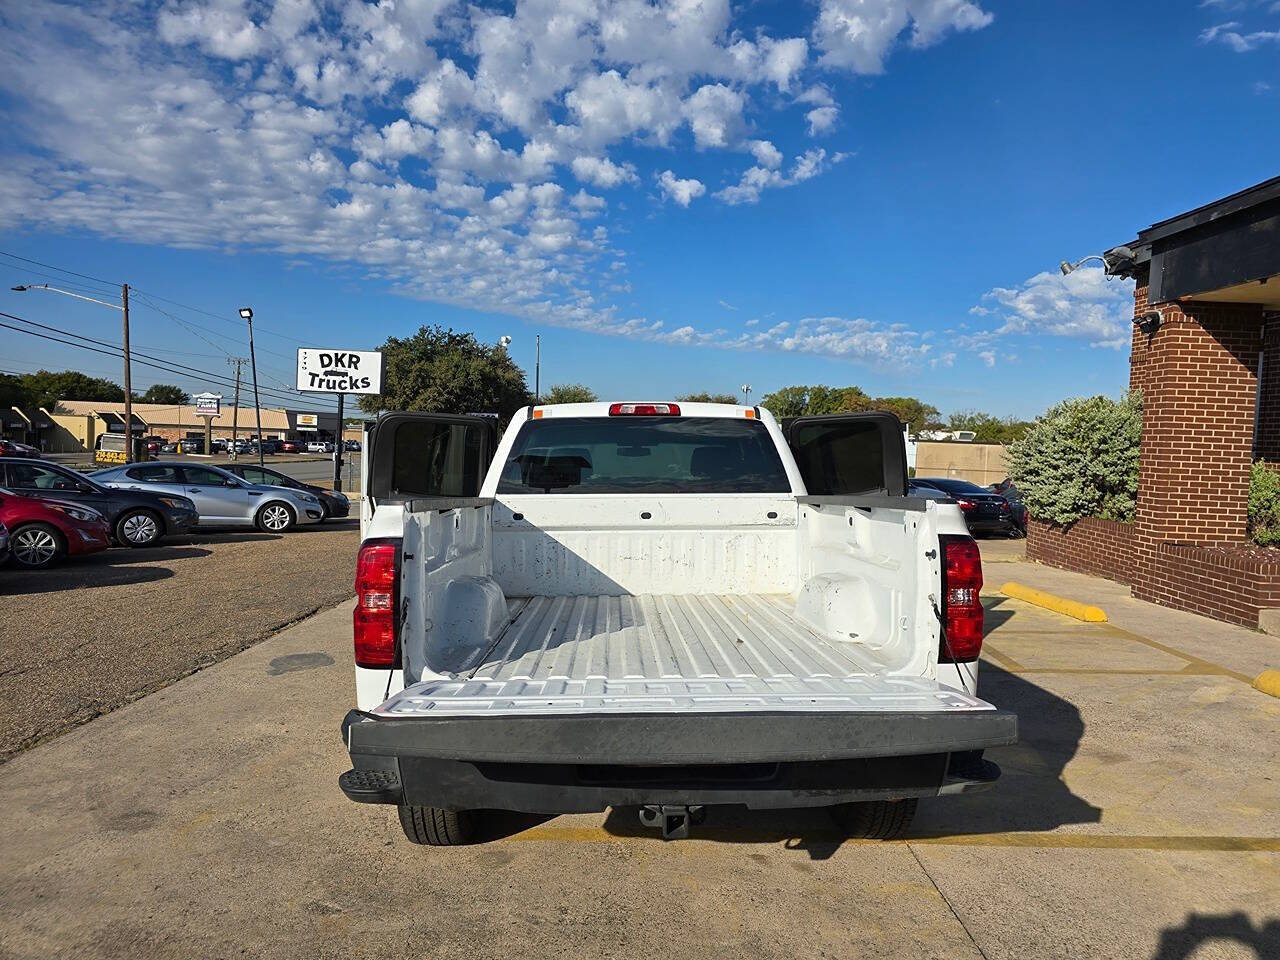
<point>672,819</point>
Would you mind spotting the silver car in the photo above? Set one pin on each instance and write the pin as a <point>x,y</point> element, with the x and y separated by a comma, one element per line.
<point>220,497</point>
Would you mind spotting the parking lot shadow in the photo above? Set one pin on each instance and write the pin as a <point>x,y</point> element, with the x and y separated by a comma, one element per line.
<point>1181,943</point>
<point>76,576</point>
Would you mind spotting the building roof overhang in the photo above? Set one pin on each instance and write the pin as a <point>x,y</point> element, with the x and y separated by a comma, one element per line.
<point>1227,251</point>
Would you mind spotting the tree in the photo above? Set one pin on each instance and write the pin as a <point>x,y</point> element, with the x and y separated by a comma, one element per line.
<point>441,371</point>
<point>164,393</point>
<point>988,429</point>
<point>1080,460</point>
<point>569,393</point>
<point>45,388</point>
<point>811,401</point>
<point>915,414</point>
<point>708,398</point>
<point>13,392</point>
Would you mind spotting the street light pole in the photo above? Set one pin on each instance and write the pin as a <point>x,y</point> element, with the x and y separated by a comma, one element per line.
<point>537,368</point>
<point>123,308</point>
<point>246,313</point>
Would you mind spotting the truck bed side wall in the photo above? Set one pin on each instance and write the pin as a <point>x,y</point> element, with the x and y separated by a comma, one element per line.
<point>865,578</point>
<point>452,606</point>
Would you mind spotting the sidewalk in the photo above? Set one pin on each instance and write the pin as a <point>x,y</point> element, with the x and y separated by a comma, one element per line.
<point>1247,652</point>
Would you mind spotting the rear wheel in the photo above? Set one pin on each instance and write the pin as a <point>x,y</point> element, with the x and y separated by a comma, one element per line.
<point>436,827</point>
<point>36,545</point>
<point>276,518</point>
<point>139,528</point>
<point>876,820</point>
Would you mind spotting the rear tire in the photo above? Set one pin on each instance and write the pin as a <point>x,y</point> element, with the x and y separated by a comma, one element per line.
<point>35,546</point>
<point>436,827</point>
<point>276,518</point>
<point>139,528</point>
<point>876,820</point>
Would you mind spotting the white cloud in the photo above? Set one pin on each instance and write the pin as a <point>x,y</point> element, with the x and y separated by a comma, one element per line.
<point>727,305</point>
<point>445,90</point>
<point>602,172</point>
<point>988,357</point>
<point>222,29</point>
<point>1083,305</point>
<point>715,116</point>
<point>821,119</point>
<point>766,154</point>
<point>682,192</point>
<point>859,34</point>
<point>1229,34</point>
<point>443,148</point>
<point>588,204</point>
<point>758,179</point>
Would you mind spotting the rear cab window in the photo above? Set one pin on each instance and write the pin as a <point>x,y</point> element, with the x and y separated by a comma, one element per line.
<point>585,455</point>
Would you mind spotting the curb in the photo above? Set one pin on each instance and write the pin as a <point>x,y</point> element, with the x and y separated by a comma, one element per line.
<point>1050,601</point>
<point>1268,682</point>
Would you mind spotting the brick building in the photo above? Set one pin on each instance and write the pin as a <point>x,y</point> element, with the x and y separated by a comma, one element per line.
<point>1206,355</point>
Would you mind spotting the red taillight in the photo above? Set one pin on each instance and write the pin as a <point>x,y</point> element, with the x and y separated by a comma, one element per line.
<point>377,596</point>
<point>961,604</point>
<point>644,410</point>
<point>965,504</point>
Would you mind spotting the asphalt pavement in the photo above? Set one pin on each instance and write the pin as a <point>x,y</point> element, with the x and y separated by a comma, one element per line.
<point>1138,817</point>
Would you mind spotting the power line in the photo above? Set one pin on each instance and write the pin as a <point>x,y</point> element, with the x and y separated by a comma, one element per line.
<point>154,296</point>
<point>84,276</point>
<point>172,367</point>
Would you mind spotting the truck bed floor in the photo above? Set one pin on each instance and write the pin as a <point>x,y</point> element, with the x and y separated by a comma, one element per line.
<point>669,652</point>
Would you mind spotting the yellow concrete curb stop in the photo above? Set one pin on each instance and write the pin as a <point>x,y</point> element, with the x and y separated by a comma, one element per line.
<point>1268,681</point>
<point>1050,601</point>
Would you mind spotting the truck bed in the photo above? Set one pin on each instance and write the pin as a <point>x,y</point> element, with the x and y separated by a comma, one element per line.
<point>667,652</point>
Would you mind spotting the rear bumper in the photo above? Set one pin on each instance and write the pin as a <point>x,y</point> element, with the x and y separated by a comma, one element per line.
<point>541,764</point>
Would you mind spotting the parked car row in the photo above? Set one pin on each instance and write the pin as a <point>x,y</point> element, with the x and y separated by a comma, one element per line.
<point>12,448</point>
<point>51,512</point>
<point>985,510</point>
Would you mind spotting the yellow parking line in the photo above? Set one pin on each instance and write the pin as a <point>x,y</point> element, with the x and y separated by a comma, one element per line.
<point>1042,839</point>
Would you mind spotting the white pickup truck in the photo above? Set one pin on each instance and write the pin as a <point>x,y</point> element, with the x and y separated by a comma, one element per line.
<point>660,605</point>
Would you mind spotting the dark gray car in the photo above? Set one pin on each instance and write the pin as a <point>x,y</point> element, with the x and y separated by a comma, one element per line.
<point>137,518</point>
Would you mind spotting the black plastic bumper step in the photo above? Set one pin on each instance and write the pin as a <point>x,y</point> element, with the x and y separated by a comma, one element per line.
<point>371,786</point>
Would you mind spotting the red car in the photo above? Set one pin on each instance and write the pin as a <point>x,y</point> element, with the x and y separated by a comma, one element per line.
<point>11,448</point>
<point>292,446</point>
<point>41,532</point>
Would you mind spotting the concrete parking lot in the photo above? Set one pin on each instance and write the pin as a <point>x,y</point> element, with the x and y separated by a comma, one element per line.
<point>1138,817</point>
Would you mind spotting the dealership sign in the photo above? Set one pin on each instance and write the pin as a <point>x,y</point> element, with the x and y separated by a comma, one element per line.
<point>208,404</point>
<point>308,421</point>
<point>339,371</point>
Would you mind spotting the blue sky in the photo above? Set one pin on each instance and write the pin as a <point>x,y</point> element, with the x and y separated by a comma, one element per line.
<point>678,196</point>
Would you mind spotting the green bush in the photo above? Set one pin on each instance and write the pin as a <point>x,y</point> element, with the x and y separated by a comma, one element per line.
<point>1264,504</point>
<point>1080,459</point>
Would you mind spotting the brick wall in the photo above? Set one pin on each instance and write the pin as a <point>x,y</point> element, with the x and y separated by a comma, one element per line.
<point>1226,582</point>
<point>1104,548</point>
<point>1199,376</point>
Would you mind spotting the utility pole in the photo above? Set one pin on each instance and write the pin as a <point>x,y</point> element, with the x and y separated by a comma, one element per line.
<point>537,368</point>
<point>337,448</point>
<point>128,385</point>
<point>246,313</point>
<point>236,362</point>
